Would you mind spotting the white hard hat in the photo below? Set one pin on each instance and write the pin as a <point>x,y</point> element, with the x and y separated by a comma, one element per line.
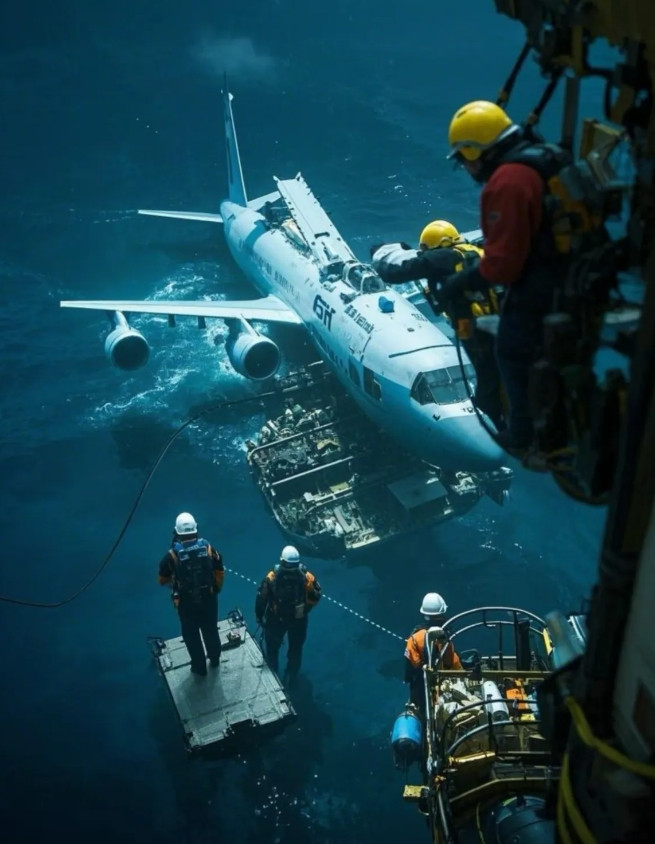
<point>433,604</point>
<point>185,523</point>
<point>290,556</point>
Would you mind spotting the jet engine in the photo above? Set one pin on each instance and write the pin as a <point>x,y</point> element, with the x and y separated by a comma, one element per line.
<point>251,354</point>
<point>125,347</point>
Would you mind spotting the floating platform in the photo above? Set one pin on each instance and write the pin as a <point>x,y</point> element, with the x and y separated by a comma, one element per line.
<point>337,485</point>
<point>235,702</point>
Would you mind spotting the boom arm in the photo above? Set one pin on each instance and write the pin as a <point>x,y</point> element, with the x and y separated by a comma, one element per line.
<point>611,714</point>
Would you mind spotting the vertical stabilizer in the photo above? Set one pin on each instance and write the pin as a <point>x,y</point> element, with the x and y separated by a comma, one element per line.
<point>237,189</point>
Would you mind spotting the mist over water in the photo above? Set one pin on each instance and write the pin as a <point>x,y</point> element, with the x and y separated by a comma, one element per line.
<point>113,108</point>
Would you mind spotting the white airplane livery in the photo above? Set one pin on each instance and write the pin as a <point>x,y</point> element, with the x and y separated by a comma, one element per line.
<point>399,367</point>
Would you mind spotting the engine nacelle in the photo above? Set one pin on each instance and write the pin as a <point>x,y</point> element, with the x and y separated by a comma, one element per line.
<point>251,354</point>
<point>125,347</point>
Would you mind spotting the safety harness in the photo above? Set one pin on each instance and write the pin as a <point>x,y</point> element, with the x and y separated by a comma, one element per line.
<point>194,571</point>
<point>572,272</point>
<point>574,216</point>
<point>287,589</point>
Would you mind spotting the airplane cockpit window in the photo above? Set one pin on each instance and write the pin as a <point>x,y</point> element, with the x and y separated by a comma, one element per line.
<point>333,270</point>
<point>371,385</point>
<point>363,279</point>
<point>372,283</point>
<point>443,386</point>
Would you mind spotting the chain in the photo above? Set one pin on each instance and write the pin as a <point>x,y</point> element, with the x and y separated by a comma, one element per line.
<point>332,601</point>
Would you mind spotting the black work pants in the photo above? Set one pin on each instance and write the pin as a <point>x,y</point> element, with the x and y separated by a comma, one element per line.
<point>519,338</point>
<point>196,618</point>
<point>296,632</point>
<point>417,693</point>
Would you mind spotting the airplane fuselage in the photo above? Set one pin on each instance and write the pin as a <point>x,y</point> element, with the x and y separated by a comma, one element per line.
<point>376,342</point>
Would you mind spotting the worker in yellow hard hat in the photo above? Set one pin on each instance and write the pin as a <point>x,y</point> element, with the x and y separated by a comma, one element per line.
<point>443,251</point>
<point>520,251</point>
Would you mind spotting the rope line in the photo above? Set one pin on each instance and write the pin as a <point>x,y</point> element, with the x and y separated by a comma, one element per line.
<point>332,601</point>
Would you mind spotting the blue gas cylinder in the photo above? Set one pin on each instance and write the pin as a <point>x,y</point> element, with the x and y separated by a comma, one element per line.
<point>406,737</point>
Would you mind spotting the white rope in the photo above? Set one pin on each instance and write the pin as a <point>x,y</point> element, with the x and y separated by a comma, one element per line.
<point>364,618</point>
<point>332,601</point>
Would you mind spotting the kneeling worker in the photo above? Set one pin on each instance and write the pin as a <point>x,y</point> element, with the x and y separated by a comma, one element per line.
<point>434,611</point>
<point>442,252</point>
<point>284,600</point>
<point>195,572</point>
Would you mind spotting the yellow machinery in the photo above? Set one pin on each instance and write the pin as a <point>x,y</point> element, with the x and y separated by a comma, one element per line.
<point>597,709</point>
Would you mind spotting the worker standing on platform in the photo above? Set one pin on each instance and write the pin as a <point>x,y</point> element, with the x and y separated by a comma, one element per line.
<point>433,609</point>
<point>194,570</point>
<point>284,600</point>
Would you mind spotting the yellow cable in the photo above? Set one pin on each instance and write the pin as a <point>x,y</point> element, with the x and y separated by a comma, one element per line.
<point>562,827</point>
<point>567,800</point>
<point>477,823</point>
<point>583,729</point>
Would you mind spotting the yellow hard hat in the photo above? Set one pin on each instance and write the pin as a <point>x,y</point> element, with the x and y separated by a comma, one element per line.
<point>439,233</point>
<point>476,127</point>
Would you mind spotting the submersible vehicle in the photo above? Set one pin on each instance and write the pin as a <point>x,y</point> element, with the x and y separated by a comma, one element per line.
<point>338,485</point>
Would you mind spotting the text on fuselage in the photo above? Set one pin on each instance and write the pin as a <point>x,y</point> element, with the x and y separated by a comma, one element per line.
<point>360,319</point>
<point>323,311</point>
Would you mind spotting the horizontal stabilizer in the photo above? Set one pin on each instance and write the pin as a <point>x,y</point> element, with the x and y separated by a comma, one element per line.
<point>206,216</point>
<point>269,309</point>
<point>184,215</point>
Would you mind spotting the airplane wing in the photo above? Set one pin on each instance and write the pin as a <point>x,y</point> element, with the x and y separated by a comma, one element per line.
<point>269,309</point>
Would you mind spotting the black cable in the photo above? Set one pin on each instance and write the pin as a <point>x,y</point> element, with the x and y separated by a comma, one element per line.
<point>492,433</point>
<point>506,91</point>
<point>218,406</point>
<point>535,114</point>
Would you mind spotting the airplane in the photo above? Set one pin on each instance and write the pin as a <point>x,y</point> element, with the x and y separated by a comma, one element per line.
<point>398,366</point>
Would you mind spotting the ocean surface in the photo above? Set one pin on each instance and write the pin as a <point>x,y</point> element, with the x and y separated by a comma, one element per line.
<point>106,108</point>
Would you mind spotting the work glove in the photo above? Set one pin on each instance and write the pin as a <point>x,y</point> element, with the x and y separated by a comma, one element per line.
<point>450,289</point>
<point>457,285</point>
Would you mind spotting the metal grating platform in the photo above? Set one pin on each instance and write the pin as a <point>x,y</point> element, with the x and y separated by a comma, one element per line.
<point>242,695</point>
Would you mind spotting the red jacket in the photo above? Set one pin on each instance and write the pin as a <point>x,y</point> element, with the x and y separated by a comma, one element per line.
<point>511,207</point>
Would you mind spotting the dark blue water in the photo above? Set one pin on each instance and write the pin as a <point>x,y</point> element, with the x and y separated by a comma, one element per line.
<point>108,108</point>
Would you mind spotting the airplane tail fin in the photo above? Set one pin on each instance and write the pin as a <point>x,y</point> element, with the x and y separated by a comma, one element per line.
<point>237,189</point>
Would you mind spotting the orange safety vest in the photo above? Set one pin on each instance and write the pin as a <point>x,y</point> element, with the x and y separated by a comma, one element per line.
<point>416,653</point>
<point>305,590</point>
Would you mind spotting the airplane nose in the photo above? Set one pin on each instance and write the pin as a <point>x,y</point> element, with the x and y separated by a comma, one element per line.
<point>463,444</point>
